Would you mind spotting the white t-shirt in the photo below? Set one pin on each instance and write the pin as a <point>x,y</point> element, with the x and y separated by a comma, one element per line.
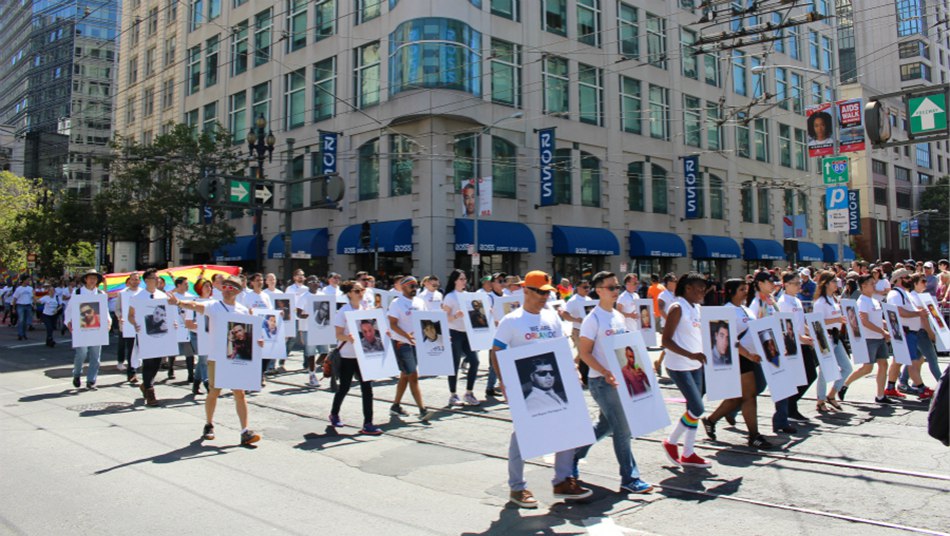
<point>125,300</point>
<point>875,316</point>
<point>330,290</point>
<point>743,318</point>
<point>50,304</point>
<point>667,298</point>
<point>520,327</point>
<point>599,325</point>
<point>297,289</point>
<point>83,291</point>
<point>881,288</point>
<point>829,309</point>
<point>900,297</point>
<point>761,309</point>
<point>578,306</point>
<point>401,309</point>
<point>452,302</point>
<point>433,300</point>
<point>23,295</point>
<point>253,300</point>
<point>347,349</point>
<point>626,306</point>
<point>791,304</point>
<point>688,336</point>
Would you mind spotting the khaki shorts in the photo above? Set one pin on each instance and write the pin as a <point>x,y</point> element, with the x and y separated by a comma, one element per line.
<point>211,375</point>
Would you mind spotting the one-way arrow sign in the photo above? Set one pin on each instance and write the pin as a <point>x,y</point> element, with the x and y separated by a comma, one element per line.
<point>928,113</point>
<point>263,193</point>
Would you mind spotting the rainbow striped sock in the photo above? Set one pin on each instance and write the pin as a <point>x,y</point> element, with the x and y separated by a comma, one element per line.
<point>689,421</point>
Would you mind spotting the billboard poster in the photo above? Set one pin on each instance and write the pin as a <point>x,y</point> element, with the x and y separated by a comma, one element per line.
<point>850,125</point>
<point>821,135</point>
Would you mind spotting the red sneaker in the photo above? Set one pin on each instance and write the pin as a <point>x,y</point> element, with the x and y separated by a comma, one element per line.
<point>672,452</point>
<point>693,460</point>
<point>894,393</point>
<point>926,394</point>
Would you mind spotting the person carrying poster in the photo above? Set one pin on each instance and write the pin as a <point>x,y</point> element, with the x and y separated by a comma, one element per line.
<point>230,288</point>
<point>925,340</point>
<point>826,304</point>
<point>126,329</point>
<point>49,306</point>
<point>683,340</point>
<point>736,292</point>
<point>663,297</point>
<point>762,304</point>
<point>304,305</point>
<point>600,324</point>
<point>871,318</point>
<point>149,366</point>
<point>199,340</point>
<point>87,317</point>
<point>575,309</point>
<point>461,349</point>
<point>400,321</point>
<point>188,348</point>
<point>530,323</point>
<point>914,318</point>
<point>254,300</point>
<point>788,302</point>
<point>626,304</point>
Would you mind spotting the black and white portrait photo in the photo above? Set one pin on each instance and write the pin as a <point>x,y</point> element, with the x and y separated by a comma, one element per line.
<point>541,384</point>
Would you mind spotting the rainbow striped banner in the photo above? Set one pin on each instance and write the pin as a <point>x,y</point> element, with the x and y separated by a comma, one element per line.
<point>115,283</point>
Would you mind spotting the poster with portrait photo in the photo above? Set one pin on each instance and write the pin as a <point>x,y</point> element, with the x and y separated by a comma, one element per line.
<point>820,128</point>
<point>478,325</point>
<point>895,326</point>
<point>484,202</point>
<point>380,299</point>
<point>203,330</point>
<point>558,306</point>
<point>89,326</point>
<point>937,322</point>
<point>320,311</point>
<point>286,304</point>
<point>647,321</point>
<point>157,321</point>
<point>859,347</point>
<point>433,345</point>
<point>794,357</point>
<point>640,394</point>
<point>722,354</point>
<point>374,350</point>
<point>504,305</point>
<point>766,335</point>
<point>182,335</point>
<point>818,332</point>
<point>237,351</point>
<point>271,326</point>
<point>545,395</point>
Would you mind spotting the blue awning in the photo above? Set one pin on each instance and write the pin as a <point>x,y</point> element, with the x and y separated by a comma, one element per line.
<point>304,244</point>
<point>385,237</point>
<point>646,244</point>
<point>584,241</point>
<point>244,248</point>
<point>760,249</point>
<point>495,236</point>
<point>831,253</point>
<point>715,247</point>
<point>809,252</point>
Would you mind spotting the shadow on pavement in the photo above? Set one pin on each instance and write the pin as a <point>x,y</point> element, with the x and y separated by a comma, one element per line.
<point>195,449</point>
<point>329,439</point>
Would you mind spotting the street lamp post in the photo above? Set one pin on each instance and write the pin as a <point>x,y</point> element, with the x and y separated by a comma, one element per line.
<point>260,146</point>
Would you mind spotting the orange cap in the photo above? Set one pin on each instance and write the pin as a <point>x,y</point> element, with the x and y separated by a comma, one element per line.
<point>538,279</point>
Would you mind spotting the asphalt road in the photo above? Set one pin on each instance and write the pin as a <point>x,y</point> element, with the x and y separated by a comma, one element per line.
<point>80,462</point>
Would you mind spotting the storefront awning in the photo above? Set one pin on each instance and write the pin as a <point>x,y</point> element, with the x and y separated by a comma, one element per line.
<point>715,247</point>
<point>809,252</point>
<point>385,237</point>
<point>304,244</point>
<point>244,248</point>
<point>646,244</point>
<point>831,253</point>
<point>494,236</point>
<point>760,249</point>
<point>583,241</point>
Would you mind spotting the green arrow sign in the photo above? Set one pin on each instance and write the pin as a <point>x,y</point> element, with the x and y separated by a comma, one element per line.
<point>240,191</point>
<point>834,169</point>
<point>927,113</point>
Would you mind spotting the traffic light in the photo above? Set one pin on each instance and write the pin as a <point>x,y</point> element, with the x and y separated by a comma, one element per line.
<point>208,188</point>
<point>876,122</point>
<point>365,236</point>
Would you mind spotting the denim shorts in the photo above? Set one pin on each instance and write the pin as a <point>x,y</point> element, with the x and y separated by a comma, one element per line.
<point>406,358</point>
<point>877,349</point>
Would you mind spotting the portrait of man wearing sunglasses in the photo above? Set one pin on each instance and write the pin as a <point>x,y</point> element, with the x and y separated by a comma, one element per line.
<point>542,390</point>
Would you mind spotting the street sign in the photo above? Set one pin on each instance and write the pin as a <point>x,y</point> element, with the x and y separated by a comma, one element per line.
<point>31,260</point>
<point>927,113</point>
<point>905,228</point>
<point>207,214</point>
<point>914,228</point>
<point>240,191</point>
<point>834,169</point>
<point>264,193</point>
<point>836,205</point>
<point>476,259</point>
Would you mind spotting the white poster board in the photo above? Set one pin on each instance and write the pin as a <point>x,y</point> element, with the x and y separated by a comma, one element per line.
<point>271,324</point>
<point>558,306</point>
<point>156,336</point>
<point>89,317</point>
<point>722,353</point>
<point>237,351</point>
<point>374,350</point>
<point>767,337</point>
<point>433,343</point>
<point>544,394</point>
<point>181,330</point>
<point>895,326</point>
<point>794,356</point>
<point>859,347</point>
<point>823,347</point>
<point>640,394</point>
<point>286,304</point>
<point>647,321</point>
<point>504,305</point>
<point>125,301</point>
<point>320,311</point>
<point>480,329</point>
<point>937,322</point>
<point>204,335</point>
<point>381,298</point>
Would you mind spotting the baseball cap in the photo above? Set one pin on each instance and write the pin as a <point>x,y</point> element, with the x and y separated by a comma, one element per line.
<point>486,278</point>
<point>805,272</point>
<point>538,279</point>
<point>928,264</point>
<point>233,281</point>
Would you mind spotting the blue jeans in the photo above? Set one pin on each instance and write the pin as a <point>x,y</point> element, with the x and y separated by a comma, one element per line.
<point>925,349</point>
<point>492,379</point>
<point>690,383</point>
<point>563,465</point>
<point>25,314</point>
<point>612,420</point>
<point>844,365</point>
<point>92,353</point>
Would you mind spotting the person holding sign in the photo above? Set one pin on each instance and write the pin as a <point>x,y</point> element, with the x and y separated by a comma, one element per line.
<point>925,340</point>
<point>914,318</point>
<point>89,318</point>
<point>876,335</point>
<point>400,321</point>
<point>593,349</point>
<point>461,349</point>
<point>762,304</point>
<point>127,330</point>
<point>826,303</point>
<point>530,323</point>
<point>203,288</point>
<point>788,302</point>
<point>626,304</point>
<point>230,288</point>
<point>149,366</point>
<point>304,305</point>
<point>736,292</point>
<point>683,340</point>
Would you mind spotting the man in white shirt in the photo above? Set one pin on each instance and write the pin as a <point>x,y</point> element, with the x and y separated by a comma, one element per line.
<point>575,310</point>
<point>400,322</point>
<point>149,366</point>
<point>23,301</point>
<point>50,304</point>
<point>431,295</point>
<point>303,312</point>
<point>91,281</point>
<point>126,329</point>
<point>625,303</point>
<point>181,292</point>
<point>254,300</point>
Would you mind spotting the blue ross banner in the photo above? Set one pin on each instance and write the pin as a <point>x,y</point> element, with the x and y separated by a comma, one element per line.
<point>328,152</point>
<point>854,212</point>
<point>546,148</point>
<point>690,172</point>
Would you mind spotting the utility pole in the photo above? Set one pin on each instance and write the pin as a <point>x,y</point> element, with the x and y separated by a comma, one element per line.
<point>288,214</point>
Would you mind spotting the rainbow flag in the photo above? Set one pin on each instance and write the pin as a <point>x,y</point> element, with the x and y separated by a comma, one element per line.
<point>115,283</point>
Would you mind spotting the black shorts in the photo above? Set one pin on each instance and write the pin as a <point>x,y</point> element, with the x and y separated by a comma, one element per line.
<point>746,365</point>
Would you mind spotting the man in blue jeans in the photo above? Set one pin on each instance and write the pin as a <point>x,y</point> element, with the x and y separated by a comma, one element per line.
<point>23,302</point>
<point>91,281</point>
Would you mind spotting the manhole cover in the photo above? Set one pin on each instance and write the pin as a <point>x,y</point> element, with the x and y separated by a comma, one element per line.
<point>102,407</point>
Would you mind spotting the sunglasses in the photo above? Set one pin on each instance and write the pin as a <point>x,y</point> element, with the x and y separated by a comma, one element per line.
<point>358,290</point>
<point>227,286</point>
<point>611,288</point>
<point>585,287</point>
<point>539,291</point>
<point>544,373</point>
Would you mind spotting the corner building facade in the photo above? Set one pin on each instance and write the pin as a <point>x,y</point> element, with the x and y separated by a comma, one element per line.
<point>427,95</point>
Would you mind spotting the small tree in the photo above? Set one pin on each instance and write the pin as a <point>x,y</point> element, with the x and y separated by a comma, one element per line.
<point>17,197</point>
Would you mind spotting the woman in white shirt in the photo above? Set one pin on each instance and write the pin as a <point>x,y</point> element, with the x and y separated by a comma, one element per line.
<point>826,304</point>
<point>925,339</point>
<point>203,289</point>
<point>49,308</point>
<point>349,366</point>
<point>461,349</point>
<point>913,318</point>
<point>788,302</point>
<point>682,338</point>
<point>872,324</point>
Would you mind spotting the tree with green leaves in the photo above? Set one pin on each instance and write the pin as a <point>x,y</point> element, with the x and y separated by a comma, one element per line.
<point>934,228</point>
<point>61,229</point>
<point>17,197</point>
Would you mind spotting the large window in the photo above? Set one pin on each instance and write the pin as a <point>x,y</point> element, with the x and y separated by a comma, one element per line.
<point>659,112</point>
<point>711,69</point>
<point>688,53</point>
<point>588,22</point>
<point>209,119</point>
<point>660,192</point>
<point>656,41</point>
<point>211,61</point>
<point>505,73</point>
<point>465,164</point>
<point>563,170</point>
<point>814,50</point>
<point>794,43</point>
<point>239,48</point>
<point>505,8</point>
<point>400,165</point>
<point>717,198</point>
<point>745,200</point>
<point>554,16</point>
<point>911,17</point>
<point>781,87</point>
<point>590,94</point>
<point>504,165</point>
<point>764,206</point>
<point>826,58</point>
<point>195,16</point>
<point>435,53</point>
<point>367,75</point>
<point>713,126</point>
<point>556,85</point>
<point>260,101</point>
<point>368,169</point>
<point>743,137</point>
<point>628,31</point>
<point>630,105</point>
<point>324,89</point>
<point>194,69</point>
<point>692,121</point>
<point>326,19</point>
<point>636,187</point>
<point>237,116</point>
<point>367,10</point>
<point>762,139</point>
<point>295,98</point>
<point>590,180</point>
<point>738,73</point>
<point>798,105</point>
<point>758,77</point>
<point>785,145</point>
<point>297,24</point>
<point>801,155</point>
<point>262,37</point>
<point>214,9</point>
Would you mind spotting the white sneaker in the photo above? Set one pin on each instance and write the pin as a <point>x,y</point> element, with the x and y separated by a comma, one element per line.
<point>121,367</point>
<point>471,400</point>
<point>454,400</point>
<point>314,382</point>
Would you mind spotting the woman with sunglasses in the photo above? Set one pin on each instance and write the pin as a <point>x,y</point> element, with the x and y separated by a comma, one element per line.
<point>762,304</point>
<point>826,304</point>
<point>914,317</point>
<point>593,349</point>
<point>461,349</point>
<point>881,284</point>
<point>788,302</point>
<point>349,366</point>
